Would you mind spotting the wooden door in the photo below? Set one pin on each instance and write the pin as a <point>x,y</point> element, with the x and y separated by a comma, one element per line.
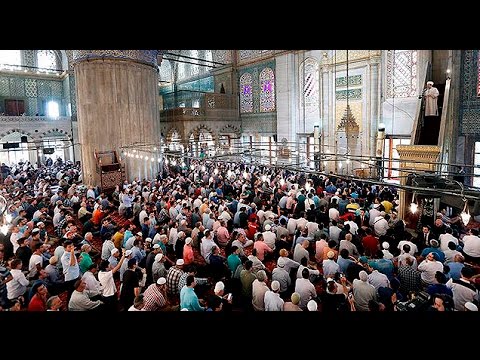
<point>14,107</point>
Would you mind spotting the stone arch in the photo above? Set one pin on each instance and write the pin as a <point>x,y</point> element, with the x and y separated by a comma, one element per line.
<point>200,129</point>
<point>10,131</point>
<point>56,132</point>
<point>171,132</point>
<point>230,129</point>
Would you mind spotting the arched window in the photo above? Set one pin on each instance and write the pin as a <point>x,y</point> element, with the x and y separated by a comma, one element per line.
<point>267,90</point>
<point>401,73</point>
<point>46,59</point>
<point>309,72</point>
<point>246,93</point>
<point>10,57</point>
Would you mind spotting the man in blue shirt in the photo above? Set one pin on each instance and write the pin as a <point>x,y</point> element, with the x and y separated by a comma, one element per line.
<point>188,298</point>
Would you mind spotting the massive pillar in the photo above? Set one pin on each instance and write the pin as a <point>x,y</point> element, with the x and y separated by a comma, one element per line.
<point>117,94</point>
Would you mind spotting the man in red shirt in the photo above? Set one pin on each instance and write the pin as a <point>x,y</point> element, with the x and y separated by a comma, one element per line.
<point>39,300</point>
<point>370,243</point>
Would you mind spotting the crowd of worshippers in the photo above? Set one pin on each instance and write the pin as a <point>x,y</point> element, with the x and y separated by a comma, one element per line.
<point>224,237</point>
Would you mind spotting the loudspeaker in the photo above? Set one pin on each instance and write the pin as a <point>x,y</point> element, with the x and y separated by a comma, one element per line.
<point>11,145</point>
<point>48,151</point>
<point>23,139</point>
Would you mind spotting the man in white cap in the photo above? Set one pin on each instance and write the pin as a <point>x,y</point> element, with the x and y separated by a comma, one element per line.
<point>155,297</point>
<point>430,95</point>
<point>259,289</point>
<point>363,292</point>
<point>114,257</point>
<point>272,300</point>
<point>173,277</point>
<point>158,267</point>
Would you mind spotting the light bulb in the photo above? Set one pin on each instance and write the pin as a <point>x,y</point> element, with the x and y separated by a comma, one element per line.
<point>413,207</point>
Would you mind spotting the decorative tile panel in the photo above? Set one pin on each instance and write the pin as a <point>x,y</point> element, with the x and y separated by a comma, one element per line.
<point>401,73</point>
<point>17,87</point>
<point>353,94</point>
<point>31,88</point>
<point>352,80</point>
<point>222,56</point>
<point>44,89</point>
<point>470,102</point>
<point>4,87</point>
<point>32,104</point>
<point>56,87</point>
<point>29,57</point>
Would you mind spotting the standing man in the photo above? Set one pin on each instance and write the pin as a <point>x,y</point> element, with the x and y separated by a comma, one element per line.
<point>431,95</point>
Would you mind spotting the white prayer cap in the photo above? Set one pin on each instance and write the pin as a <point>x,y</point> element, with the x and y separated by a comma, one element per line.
<point>430,82</point>
<point>312,305</point>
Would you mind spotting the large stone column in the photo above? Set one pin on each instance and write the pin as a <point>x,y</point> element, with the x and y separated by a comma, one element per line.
<point>117,94</point>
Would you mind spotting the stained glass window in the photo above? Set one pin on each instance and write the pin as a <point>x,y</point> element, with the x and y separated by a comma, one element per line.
<point>46,59</point>
<point>309,72</point>
<point>267,90</point>
<point>401,73</point>
<point>10,57</point>
<point>246,93</point>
